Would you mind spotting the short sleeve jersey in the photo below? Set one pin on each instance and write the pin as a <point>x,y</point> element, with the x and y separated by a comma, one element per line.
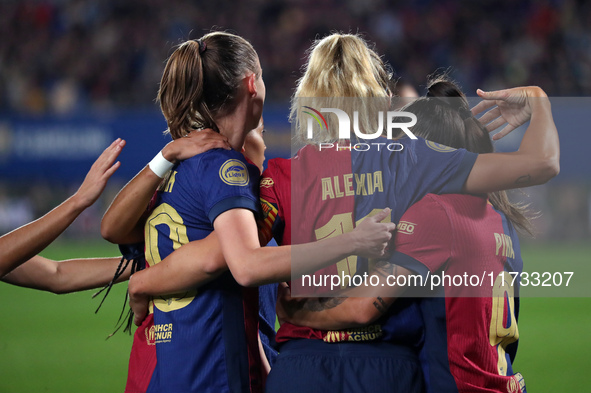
<point>202,337</point>
<point>471,327</point>
<point>323,193</point>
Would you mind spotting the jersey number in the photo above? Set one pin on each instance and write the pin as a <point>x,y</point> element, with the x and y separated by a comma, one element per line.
<point>343,223</point>
<point>503,325</point>
<point>165,214</point>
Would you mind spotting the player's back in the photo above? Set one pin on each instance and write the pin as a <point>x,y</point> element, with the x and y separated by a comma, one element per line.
<point>469,249</point>
<point>333,189</point>
<point>200,336</point>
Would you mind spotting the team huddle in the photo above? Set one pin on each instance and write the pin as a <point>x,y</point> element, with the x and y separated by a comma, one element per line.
<point>208,290</point>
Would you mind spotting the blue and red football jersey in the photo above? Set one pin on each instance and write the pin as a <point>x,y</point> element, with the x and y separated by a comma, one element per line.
<point>142,360</point>
<point>320,194</point>
<point>206,339</point>
<point>471,327</point>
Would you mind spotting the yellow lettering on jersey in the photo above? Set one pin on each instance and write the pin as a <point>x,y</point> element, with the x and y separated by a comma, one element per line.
<point>337,225</point>
<point>343,223</point>
<point>378,183</point>
<point>360,180</point>
<point>162,336</point>
<point>163,328</point>
<point>368,333</point>
<point>166,215</point>
<point>337,188</point>
<point>327,191</point>
<point>406,227</point>
<point>170,183</point>
<point>365,184</point>
<point>334,336</point>
<point>504,245</point>
<point>369,184</point>
<point>348,178</point>
<point>160,333</point>
<point>511,252</point>
<point>503,325</point>
<point>499,242</point>
<point>150,333</point>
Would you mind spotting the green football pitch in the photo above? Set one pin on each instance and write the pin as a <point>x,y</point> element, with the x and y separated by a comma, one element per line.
<point>52,343</point>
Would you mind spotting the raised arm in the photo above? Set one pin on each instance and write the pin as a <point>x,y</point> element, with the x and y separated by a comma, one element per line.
<point>25,242</point>
<point>123,222</point>
<point>538,158</point>
<point>65,276</point>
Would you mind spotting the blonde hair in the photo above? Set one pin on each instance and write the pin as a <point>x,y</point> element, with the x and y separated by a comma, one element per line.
<point>341,66</point>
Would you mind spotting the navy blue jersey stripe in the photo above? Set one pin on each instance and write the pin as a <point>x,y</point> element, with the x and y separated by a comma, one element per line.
<point>456,184</point>
<point>239,202</point>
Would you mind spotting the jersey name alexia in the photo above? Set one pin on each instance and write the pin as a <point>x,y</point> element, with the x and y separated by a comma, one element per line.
<point>351,184</point>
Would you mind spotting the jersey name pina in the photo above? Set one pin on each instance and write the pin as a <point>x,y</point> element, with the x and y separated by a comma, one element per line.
<point>470,330</point>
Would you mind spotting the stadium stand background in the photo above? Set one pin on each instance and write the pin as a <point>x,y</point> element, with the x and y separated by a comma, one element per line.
<point>75,74</point>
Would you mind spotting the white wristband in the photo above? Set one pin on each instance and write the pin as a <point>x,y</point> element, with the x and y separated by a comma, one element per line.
<point>160,165</point>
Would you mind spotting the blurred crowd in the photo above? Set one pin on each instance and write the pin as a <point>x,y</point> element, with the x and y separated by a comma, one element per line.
<point>21,203</point>
<point>60,56</point>
<point>72,56</point>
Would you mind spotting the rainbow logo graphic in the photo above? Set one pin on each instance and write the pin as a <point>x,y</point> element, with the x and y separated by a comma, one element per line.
<point>316,117</point>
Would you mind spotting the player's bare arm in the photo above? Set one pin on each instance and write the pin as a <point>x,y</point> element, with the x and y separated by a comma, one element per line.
<point>67,276</point>
<point>380,305</point>
<point>536,161</point>
<point>199,262</point>
<point>252,265</point>
<point>359,307</point>
<point>25,242</point>
<point>187,268</point>
<point>123,222</point>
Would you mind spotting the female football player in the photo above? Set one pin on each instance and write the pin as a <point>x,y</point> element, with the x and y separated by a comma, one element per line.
<point>470,332</point>
<point>343,66</point>
<point>75,274</point>
<point>335,68</point>
<point>208,340</point>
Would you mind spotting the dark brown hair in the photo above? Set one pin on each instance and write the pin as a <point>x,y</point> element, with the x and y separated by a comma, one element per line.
<point>201,80</point>
<point>444,117</point>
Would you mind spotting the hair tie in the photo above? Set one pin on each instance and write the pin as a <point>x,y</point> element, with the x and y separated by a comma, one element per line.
<point>202,45</point>
<point>465,113</point>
